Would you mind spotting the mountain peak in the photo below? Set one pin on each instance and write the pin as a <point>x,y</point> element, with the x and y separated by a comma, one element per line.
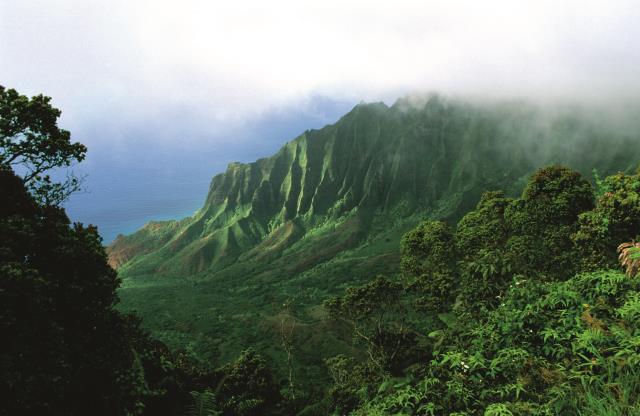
<point>376,165</point>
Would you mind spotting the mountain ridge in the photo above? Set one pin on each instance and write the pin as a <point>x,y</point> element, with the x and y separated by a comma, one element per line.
<point>327,211</point>
<point>368,160</point>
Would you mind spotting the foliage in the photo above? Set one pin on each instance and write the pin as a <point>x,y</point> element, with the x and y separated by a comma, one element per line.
<point>545,217</point>
<point>484,226</point>
<point>428,262</point>
<point>204,404</point>
<point>480,238</point>
<point>247,387</point>
<point>350,382</point>
<point>328,210</point>
<point>525,337</point>
<point>32,142</point>
<point>630,258</point>
<point>527,237</point>
<point>511,312</point>
<point>615,219</point>
<point>551,348</point>
<point>65,349</point>
<point>287,329</point>
<point>601,187</point>
<point>376,314</point>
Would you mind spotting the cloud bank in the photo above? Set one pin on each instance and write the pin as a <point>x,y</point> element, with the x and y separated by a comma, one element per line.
<point>166,92</point>
<point>139,61</point>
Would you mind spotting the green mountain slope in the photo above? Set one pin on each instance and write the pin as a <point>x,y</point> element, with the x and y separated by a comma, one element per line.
<point>327,211</point>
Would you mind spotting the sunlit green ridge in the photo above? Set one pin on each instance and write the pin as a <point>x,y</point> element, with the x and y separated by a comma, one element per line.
<point>328,209</point>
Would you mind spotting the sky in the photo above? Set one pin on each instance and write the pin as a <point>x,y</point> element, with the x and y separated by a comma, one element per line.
<point>165,93</point>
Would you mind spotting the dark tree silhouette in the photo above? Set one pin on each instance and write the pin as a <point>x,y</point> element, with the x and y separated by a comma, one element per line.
<point>65,350</point>
<point>32,143</point>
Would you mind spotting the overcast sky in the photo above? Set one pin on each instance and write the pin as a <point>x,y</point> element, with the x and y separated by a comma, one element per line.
<point>228,60</point>
<point>233,80</point>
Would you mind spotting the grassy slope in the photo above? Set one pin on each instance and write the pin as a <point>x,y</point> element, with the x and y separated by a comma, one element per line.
<point>327,212</point>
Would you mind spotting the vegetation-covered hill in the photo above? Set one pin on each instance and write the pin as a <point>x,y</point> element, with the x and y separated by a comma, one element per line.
<point>328,211</point>
<point>520,309</point>
<point>65,349</point>
<point>524,306</point>
<point>375,166</point>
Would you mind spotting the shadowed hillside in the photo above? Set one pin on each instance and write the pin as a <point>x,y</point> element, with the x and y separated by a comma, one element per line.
<point>328,210</point>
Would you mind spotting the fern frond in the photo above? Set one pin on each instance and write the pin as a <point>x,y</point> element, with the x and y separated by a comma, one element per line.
<point>204,404</point>
<point>629,257</point>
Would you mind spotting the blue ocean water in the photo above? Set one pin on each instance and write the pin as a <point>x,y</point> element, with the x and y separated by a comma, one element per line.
<point>138,178</point>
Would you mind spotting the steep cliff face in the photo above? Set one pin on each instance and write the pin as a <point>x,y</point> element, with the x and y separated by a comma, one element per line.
<point>328,210</point>
<point>378,164</point>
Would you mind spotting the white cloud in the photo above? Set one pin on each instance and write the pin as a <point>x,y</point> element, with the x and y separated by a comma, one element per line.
<point>138,60</point>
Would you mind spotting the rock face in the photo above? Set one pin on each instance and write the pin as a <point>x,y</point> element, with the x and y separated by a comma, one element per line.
<point>376,170</point>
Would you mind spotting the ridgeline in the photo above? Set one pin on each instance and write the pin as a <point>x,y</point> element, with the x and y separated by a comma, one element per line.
<point>328,211</point>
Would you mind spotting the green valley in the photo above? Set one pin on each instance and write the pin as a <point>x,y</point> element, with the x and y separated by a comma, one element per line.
<point>435,257</point>
<point>277,237</point>
<point>333,208</point>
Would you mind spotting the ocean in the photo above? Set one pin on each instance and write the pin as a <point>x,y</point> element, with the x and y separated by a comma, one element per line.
<point>138,178</point>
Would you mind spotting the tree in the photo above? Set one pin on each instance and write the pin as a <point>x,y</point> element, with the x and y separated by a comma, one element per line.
<point>32,144</point>
<point>615,219</point>
<point>530,338</point>
<point>65,350</point>
<point>287,328</point>
<point>542,221</point>
<point>247,387</point>
<point>376,313</point>
<point>428,262</point>
<point>480,238</point>
<point>350,379</point>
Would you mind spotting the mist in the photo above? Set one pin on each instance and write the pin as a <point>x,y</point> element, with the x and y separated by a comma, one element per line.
<point>177,90</point>
<point>139,62</point>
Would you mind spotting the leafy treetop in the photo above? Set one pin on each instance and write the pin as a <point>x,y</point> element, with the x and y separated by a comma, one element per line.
<point>31,141</point>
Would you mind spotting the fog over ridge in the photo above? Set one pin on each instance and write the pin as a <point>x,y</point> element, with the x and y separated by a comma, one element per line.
<point>219,64</point>
<point>169,92</point>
